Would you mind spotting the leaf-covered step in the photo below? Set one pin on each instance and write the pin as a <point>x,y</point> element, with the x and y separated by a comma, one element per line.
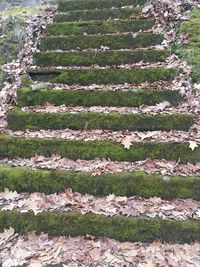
<point>138,183</point>
<point>97,27</point>
<point>118,227</point>
<point>82,97</point>
<point>102,76</point>
<point>12,147</point>
<point>101,58</point>
<point>66,5</point>
<point>111,41</point>
<point>97,14</point>
<point>19,120</point>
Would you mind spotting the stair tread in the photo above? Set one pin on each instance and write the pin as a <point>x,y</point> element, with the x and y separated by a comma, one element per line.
<point>96,14</point>
<point>64,5</point>
<point>101,58</point>
<point>12,147</point>
<point>78,28</point>
<point>111,41</point>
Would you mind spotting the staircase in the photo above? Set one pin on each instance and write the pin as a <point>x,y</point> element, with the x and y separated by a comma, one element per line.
<point>96,67</point>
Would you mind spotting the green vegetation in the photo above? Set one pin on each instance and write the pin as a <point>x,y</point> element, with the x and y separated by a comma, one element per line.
<point>90,41</point>
<point>66,5</point>
<point>13,33</point>
<point>97,14</point>
<point>18,120</point>
<point>78,28</point>
<point>119,227</point>
<point>101,58</point>
<point>22,12</point>
<point>28,147</point>
<point>102,76</point>
<point>191,50</point>
<point>22,179</point>
<point>81,97</point>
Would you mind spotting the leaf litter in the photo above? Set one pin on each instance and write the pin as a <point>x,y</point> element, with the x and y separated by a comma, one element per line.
<point>111,205</point>
<point>98,167</point>
<point>37,250</point>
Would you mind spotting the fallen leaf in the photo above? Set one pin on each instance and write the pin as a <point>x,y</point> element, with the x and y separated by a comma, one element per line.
<point>193,145</point>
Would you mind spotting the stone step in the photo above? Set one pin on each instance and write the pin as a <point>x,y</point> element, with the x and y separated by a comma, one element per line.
<point>101,58</point>
<point>83,97</point>
<point>12,147</point>
<point>79,28</point>
<point>97,14</point>
<point>102,76</point>
<point>121,228</point>
<point>104,42</point>
<point>19,120</point>
<point>137,183</point>
<point>67,5</point>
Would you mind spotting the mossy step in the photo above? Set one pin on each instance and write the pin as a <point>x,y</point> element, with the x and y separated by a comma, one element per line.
<point>97,27</point>
<point>12,147</point>
<point>138,183</point>
<point>81,97</point>
<point>102,76</point>
<point>67,5</point>
<point>97,14</point>
<point>18,120</point>
<point>112,41</point>
<point>134,229</point>
<point>101,58</point>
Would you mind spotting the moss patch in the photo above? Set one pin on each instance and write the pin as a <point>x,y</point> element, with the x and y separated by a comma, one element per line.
<point>96,14</point>
<point>132,229</point>
<point>103,76</point>
<point>191,51</point>
<point>78,28</point>
<point>22,179</point>
<point>66,5</point>
<point>90,41</point>
<point>28,147</point>
<point>101,58</point>
<point>18,120</point>
<point>118,98</point>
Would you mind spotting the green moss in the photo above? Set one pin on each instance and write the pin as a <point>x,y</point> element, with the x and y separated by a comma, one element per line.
<point>28,147</point>
<point>18,120</point>
<point>96,14</point>
<point>191,51</point>
<point>118,98</point>
<point>26,80</point>
<point>22,179</point>
<point>132,229</point>
<point>90,41</point>
<point>101,58</point>
<point>78,28</point>
<point>103,76</point>
<point>66,5</point>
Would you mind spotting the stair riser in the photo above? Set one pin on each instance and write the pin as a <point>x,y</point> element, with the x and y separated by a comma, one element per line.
<point>103,76</point>
<point>99,58</point>
<point>96,14</point>
<point>64,5</point>
<point>98,27</point>
<point>121,228</point>
<point>29,147</point>
<point>121,184</point>
<point>97,41</point>
<point>18,120</point>
<point>118,98</point>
